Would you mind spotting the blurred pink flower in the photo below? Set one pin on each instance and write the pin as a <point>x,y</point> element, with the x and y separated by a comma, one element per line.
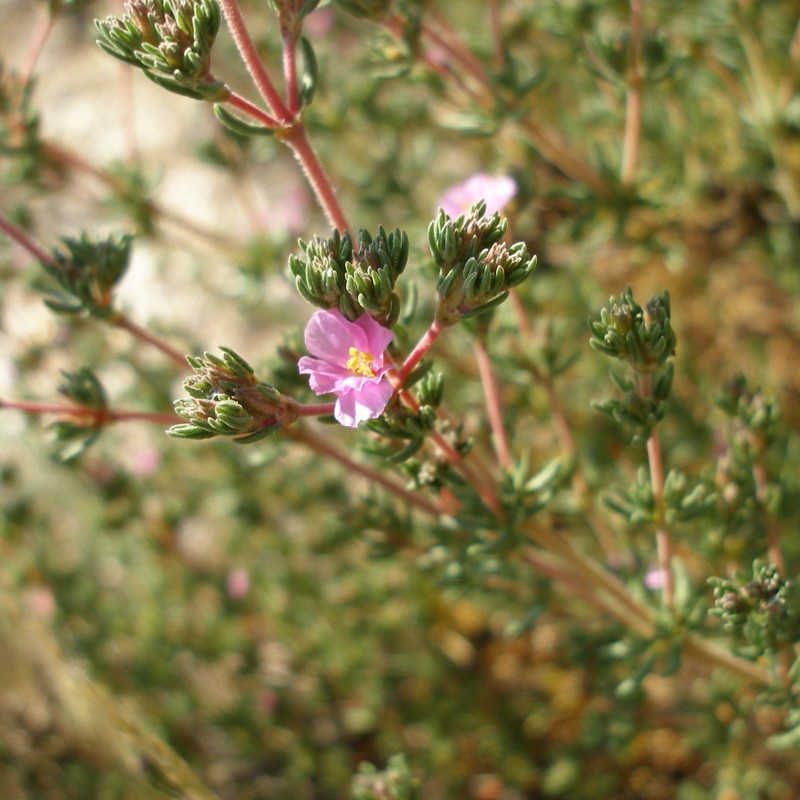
<point>145,461</point>
<point>347,360</point>
<point>237,584</point>
<point>496,190</point>
<point>655,579</point>
<point>41,602</point>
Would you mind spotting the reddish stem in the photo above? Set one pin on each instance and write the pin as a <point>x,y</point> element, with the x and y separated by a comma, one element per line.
<point>38,40</point>
<point>249,54</point>
<point>23,239</point>
<point>323,447</point>
<point>416,355</point>
<point>252,110</point>
<point>100,416</point>
<point>656,464</point>
<point>290,71</point>
<point>493,404</point>
<point>315,409</point>
<point>297,140</point>
<point>121,321</point>
<point>633,108</point>
<point>497,35</point>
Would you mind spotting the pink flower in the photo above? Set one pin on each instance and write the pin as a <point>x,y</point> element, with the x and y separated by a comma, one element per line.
<point>496,190</point>
<point>347,360</point>
<point>237,584</point>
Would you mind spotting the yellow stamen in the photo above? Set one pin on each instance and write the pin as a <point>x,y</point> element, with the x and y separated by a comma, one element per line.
<point>360,363</point>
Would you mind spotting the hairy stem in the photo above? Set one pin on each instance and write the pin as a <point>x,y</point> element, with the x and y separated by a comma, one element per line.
<point>297,139</point>
<point>252,60</point>
<point>289,41</point>
<point>245,106</point>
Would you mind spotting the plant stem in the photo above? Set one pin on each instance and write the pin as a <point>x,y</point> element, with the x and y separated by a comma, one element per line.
<point>633,106</point>
<point>493,403</point>
<point>297,139</point>
<point>120,320</point>
<point>315,442</point>
<point>786,88</point>
<point>252,110</point>
<point>60,157</point>
<point>416,355</point>
<point>99,416</point>
<point>22,238</point>
<point>249,54</point>
<point>479,484</point>
<point>656,466</point>
<point>38,39</point>
<point>548,143</point>
<point>289,41</point>
<point>663,540</point>
<point>315,409</point>
<point>774,552</point>
<point>497,36</point>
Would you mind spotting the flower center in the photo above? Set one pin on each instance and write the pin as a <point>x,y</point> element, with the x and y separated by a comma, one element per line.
<point>360,363</point>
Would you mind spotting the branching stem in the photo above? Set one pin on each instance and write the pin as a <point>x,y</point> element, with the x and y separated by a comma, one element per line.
<point>252,60</point>
<point>323,447</point>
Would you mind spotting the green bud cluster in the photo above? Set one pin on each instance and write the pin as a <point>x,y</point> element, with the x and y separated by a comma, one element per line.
<point>476,269</point>
<point>84,389</point>
<point>683,500</point>
<point>610,58</point>
<point>764,611</point>
<point>334,275</point>
<point>755,418</point>
<point>639,412</point>
<point>170,40</point>
<point>87,273</point>
<point>226,399</point>
<point>400,422</point>
<point>524,494</point>
<point>644,339</point>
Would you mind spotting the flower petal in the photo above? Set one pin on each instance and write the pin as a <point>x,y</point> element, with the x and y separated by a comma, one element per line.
<point>377,338</point>
<point>323,377</point>
<point>329,336</point>
<point>353,407</point>
<point>496,190</point>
